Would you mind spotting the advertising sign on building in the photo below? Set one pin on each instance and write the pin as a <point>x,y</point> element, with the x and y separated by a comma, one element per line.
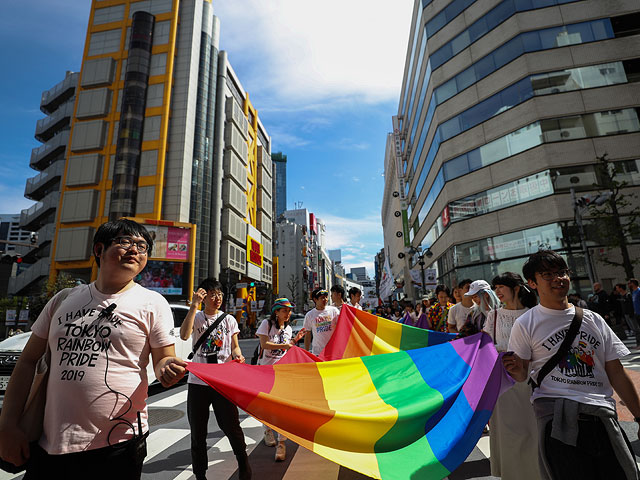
<point>254,251</point>
<point>169,243</point>
<point>10,318</point>
<point>23,318</point>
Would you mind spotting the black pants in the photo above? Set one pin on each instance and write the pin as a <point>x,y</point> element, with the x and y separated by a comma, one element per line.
<point>121,462</point>
<point>591,458</point>
<point>199,398</point>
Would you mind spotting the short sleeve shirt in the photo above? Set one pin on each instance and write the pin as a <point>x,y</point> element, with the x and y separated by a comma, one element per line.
<point>217,343</point>
<point>321,323</point>
<point>581,375</point>
<point>81,403</point>
<point>275,335</point>
<point>499,324</point>
<point>458,315</point>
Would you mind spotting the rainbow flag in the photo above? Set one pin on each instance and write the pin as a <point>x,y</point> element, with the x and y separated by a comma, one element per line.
<point>407,414</point>
<point>360,334</point>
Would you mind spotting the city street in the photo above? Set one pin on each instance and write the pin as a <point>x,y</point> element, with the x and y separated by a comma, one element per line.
<point>168,455</point>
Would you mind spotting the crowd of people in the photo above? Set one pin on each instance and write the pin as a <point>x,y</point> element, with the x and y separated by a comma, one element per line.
<point>565,426</point>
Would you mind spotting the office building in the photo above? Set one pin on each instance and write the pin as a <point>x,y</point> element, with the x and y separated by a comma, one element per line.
<point>162,131</point>
<point>280,171</point>
<point>505,107</point>
<point>57,103</point>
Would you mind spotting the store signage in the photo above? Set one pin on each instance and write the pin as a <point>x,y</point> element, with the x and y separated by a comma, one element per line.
<point>254,251</point>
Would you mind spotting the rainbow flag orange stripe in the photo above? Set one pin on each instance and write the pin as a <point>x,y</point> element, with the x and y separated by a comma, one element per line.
<point>360,334</point>
<point>408,414</point>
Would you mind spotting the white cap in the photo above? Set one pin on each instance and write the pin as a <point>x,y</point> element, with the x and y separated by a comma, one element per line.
<point>476,286</point>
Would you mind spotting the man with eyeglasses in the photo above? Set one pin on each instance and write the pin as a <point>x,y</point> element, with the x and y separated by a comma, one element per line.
<point>100,338</point>
<point>579,435</point>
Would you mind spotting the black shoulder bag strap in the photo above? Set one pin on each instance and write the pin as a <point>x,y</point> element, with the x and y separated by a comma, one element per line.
<point>561,352</point>
<point>205,335</point>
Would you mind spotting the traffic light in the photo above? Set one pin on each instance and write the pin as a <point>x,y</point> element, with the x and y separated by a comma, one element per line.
<point>252,284</point>
<point>11,258</point>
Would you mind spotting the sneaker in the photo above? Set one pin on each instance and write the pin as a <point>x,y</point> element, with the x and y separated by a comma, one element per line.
<point>269,438</point>
<point>281,452</point>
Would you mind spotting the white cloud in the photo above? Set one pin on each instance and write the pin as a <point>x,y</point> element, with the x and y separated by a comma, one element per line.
<point>311,52</point>
<point>358,238</point>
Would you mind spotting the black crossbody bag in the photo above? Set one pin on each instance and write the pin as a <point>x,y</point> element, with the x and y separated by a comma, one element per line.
<point>561,352</point>
<point>205,335</point>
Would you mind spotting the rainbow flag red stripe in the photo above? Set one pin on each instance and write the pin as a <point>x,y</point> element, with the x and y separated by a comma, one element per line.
<point>360,334</point>
<point>408,414</point>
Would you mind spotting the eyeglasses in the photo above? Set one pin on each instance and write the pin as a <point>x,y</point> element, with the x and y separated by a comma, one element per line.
<point>551,275</point>
<point>127,243</point>
<point>217,294</point>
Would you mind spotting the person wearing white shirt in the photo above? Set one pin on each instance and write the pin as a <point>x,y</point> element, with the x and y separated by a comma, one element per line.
<point>513,423</point>
<point>458,314</point>
<point>579,435</point>
<point>320,322</point>
<point>355,294</point>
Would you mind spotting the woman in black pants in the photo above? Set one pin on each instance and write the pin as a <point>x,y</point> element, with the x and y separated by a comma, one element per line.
<point>219,346</point>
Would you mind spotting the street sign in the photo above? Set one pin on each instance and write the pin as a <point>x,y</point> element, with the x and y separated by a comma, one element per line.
<point>11,317</point>
<point>241,285</point>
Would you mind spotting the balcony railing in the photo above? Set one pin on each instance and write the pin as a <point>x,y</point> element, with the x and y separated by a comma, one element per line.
<point>41,154</point>
<point>51,98</point>
<point>47,126</point>
<point>34,185</point>
<point>30,216</point>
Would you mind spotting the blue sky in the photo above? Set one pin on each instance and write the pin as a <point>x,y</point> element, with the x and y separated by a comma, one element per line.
<point>324,76</point>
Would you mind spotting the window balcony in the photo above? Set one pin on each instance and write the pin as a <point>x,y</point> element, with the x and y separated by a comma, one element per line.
<point>56,96</point>
<point>31,218</point>
<point>44,155</point>
<point>48,126</point>
<point>38,186</point>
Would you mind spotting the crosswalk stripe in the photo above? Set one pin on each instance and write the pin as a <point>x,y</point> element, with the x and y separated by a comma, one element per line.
<point>483,446</point>
<point>162,438</point>
<point>171,401</point>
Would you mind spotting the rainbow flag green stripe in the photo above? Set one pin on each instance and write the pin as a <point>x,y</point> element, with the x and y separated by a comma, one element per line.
<point>360,334</point>
<point>408,414</point>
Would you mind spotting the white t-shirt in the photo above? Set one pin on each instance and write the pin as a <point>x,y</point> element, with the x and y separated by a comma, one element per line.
<point>357,305</point>
<point>321,324</point>
<point>504,321</point>
<point>80,408</point>
<point>275,335</point>
<point>538,333</point>
<point>458,315</point>
<point>218,343</point>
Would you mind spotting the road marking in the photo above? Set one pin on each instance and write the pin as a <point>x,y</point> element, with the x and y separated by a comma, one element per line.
<point>171,401</point>
<point>161,439</point>
<point>483,446</point>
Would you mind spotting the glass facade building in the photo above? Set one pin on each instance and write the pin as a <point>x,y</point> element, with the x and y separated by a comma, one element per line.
<point>505,106</point>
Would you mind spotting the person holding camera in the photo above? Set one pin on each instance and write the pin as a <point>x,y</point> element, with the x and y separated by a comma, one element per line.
<point>215,340</point>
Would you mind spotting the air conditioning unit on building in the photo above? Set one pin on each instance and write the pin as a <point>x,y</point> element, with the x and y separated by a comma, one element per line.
<point>233,197</point>
<point>233,226</point>
<point>234,168</point>
<point>235,114</point>
<point>232,256</point>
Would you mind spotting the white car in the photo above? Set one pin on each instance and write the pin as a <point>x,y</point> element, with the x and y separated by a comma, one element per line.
<point>11,348</point>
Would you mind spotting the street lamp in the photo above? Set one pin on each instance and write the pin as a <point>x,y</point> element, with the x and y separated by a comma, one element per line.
<point>420,254</point>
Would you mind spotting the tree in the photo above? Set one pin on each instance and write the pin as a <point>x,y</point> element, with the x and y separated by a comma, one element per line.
<point>37,303</point>
<point>616,216</point>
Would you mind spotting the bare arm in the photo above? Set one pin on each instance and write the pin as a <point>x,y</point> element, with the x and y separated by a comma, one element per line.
<point>307,340</point>
<point>622,384</point>
<point>169,369</point>
<point>236,353</point>
<point>452,328</point>
<point>267,345</point>
<point>14,446</point>
<point>516,367</point>
<point>186,329</point>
